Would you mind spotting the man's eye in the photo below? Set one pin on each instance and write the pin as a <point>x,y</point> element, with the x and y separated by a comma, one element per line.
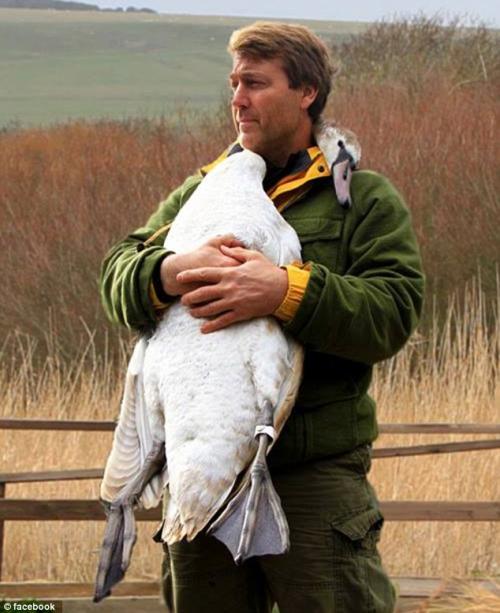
<point>251,83</point>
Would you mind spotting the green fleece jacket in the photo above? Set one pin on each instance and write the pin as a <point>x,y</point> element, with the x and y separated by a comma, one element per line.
<point>360,306</point>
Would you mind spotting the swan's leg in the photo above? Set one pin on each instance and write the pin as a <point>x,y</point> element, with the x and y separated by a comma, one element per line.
<point>264,522</point>
<point>255,523</point>
<point>120,532</point>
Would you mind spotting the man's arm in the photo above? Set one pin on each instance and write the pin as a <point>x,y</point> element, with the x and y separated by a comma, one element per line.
<point>368,313</point>
<point>128,268</point>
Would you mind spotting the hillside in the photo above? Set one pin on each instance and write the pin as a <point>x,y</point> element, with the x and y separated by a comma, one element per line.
<point>61,5</point>
<point>58,5</point>
<point>60,65</point>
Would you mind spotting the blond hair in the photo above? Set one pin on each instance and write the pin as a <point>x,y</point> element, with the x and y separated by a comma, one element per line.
<point>305,57</point>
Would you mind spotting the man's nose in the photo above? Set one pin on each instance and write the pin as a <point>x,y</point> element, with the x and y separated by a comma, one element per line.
<point>240,98</point>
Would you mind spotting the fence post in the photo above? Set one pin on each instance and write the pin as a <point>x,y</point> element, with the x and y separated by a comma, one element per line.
<point>2,495</point>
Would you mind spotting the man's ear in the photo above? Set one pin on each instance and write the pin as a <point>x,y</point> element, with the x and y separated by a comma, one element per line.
<point>309,94</point>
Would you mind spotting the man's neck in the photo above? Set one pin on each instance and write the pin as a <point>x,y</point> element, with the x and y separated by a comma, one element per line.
<point>296,162</point>
<point>302,139</point>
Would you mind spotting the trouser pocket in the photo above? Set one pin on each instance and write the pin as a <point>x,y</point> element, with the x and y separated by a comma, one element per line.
<point>361,584</point>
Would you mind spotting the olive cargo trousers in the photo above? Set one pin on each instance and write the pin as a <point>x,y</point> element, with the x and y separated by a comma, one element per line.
<point>333,565</point>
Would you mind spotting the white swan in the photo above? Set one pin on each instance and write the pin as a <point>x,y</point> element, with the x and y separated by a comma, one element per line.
<point>201,409</point>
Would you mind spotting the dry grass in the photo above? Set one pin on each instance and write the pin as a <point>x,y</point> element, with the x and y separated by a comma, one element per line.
<point>61,551</point>
<point>452,375</point>
<point>467,598</point>
<point>440,150</point>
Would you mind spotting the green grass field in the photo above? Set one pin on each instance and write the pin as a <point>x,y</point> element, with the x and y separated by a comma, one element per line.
<point>56,65</point>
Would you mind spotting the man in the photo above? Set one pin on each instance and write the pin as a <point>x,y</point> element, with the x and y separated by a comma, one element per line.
<point>354,302</point>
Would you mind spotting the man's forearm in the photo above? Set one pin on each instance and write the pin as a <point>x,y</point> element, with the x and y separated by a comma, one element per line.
<point>128,268</point>
<point>125,280</point>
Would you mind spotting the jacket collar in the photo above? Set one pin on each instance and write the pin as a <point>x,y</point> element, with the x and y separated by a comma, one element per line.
<point>285,186</point>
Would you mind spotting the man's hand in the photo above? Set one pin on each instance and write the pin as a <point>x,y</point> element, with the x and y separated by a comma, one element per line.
<point>208,254</point>
<point>256,288</point>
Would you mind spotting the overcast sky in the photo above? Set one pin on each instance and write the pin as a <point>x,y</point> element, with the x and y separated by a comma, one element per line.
<point>361,10</point>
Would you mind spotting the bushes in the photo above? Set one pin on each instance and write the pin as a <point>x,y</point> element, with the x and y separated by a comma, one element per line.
<point>440,150</point>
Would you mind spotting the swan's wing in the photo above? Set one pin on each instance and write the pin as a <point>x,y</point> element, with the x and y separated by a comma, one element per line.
<point>289,244</point>
<point>132,439</point>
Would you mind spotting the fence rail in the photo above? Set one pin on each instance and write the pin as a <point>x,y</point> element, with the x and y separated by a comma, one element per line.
<point>381,452</point>
<point>89,425</point>
<point>394,510</point>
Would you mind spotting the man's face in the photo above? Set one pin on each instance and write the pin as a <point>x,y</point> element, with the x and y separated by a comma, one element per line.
<point>270,118</point>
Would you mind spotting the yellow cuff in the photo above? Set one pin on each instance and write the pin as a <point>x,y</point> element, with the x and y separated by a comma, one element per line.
<point>158,305</point>
<point>298,278</point>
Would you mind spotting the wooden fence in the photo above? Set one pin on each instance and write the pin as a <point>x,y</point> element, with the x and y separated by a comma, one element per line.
<point>85,510</point>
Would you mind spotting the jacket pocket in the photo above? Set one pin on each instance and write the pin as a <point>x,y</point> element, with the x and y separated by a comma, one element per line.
<point>320,240</point>
<point>330,429</point>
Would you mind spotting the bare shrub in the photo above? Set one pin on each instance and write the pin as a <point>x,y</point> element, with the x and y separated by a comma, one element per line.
<point>67,193</point>
<point>410,51</point>
<point>440,149</point>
